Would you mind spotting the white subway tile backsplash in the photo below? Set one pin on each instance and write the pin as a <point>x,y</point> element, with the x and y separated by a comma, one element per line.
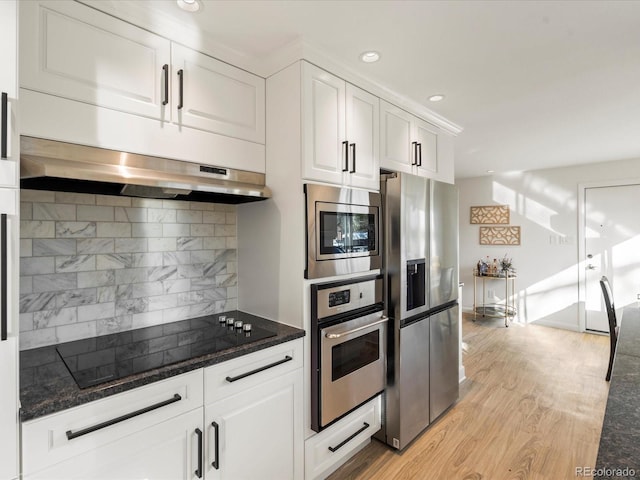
<point>101,278</point>
<point>75,263</point>
<point>95,213</point>
<point>54,318</point>
<point>96,311</point>
<point>26,211</point>
<point>124,214</point>
<point>75,229</point>
<point>176,229</point>
<point>58,246</point>
<point>36,265</point>
<point>160,215</point>
<point>75,198</point>
<point>113,201</point>
<point>146,230</point>
<point>26,247</point>
<point>53,211</point>
<point>95,245</point>
<point>54,282</point>
<point>77,331</point>
<point>94,264</point>
<point>162,244</point>
<point>114,229</point>
<point>37,229</point>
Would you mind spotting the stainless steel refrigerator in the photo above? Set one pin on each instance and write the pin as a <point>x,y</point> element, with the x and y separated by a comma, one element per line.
<point>421,274</point>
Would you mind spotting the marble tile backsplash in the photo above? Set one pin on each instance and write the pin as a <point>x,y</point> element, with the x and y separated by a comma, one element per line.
<point>95,264</point>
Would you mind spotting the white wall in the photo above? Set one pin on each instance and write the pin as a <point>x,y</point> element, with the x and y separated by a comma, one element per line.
<point>545,204</point>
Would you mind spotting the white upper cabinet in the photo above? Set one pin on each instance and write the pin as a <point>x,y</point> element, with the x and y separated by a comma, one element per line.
<point>76,52</point>
<point>340,131</point>
<point>410,144</point>
<point>8,88</point>
<point>89,78</point>
<point>214,96</point>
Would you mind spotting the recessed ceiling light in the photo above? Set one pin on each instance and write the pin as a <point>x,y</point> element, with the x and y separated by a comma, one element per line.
<point>189,5</point>
<point>490,171</point>
<point>436,98</point>
<point>370,57</point>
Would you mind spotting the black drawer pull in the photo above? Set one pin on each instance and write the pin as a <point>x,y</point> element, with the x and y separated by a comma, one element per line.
<point>216,431</point>
<point>180,89</point>
<point>198,472</point>
<point>415,153</point>
<point>5,125</point>
<point>345,144</point>
<point>344,442</point>
<point>3,275</point>
<point>165,70</point>
<point>261,369</point>
<point>78,433</point>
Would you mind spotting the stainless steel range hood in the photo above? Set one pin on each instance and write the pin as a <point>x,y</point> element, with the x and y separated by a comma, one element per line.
<point>59,166</point>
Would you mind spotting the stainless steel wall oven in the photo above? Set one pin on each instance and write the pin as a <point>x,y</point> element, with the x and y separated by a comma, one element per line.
<point>343,231</point>
<point>348,344</point>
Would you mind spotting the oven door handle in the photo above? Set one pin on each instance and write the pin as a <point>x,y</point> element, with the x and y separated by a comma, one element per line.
<point>362,327</point>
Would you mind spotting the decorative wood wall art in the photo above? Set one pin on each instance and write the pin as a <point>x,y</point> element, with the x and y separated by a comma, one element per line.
<point>499,235</point>
<point>491,214</point>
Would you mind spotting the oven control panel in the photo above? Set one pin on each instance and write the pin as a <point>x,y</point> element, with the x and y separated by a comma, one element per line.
<point>338,297</point>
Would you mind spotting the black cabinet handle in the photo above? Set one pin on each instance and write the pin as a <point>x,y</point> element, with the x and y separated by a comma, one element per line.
<point>165,68</point>
<point>261,369</point>
<point>415,153</point>
<point>198,471</point>
<point>419,154</point>
<point>344,442</point>
<point>5,125</point>
<point>3,275</point>
<point>345,146</point>
<point>78,433</point>
<point>216,437</point>
<point>353,158</point>
<point>180,88</point>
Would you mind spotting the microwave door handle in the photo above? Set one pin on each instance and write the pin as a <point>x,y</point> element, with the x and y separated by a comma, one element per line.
<point>363,327</point>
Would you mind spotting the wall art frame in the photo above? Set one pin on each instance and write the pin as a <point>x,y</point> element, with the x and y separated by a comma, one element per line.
<point>510,235</point>
<point>490,215</point>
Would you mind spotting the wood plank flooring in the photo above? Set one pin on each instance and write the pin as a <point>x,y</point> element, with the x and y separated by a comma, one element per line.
<point>531,408</point>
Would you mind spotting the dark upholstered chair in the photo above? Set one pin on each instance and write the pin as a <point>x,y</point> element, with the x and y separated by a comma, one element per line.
<point>613,323</point>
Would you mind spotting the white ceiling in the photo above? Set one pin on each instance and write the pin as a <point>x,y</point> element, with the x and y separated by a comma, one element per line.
<point>534,84</point>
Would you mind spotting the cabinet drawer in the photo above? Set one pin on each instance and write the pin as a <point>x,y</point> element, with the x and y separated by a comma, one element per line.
<point>58,437</point>
<point>233,376</point>
<point>329,449</point>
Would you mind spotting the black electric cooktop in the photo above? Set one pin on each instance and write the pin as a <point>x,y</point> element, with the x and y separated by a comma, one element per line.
<point>110,357</point>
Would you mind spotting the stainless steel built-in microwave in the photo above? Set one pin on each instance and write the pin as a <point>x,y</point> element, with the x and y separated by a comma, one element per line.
<point>343,231</point>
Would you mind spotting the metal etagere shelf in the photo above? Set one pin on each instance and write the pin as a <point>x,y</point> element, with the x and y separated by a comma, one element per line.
<point>506,309</point>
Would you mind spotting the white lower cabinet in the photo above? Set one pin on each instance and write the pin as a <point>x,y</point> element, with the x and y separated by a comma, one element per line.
<point>168,450</point>
<point>250,428</point>
<point>329,449</point>
<point>255,434</point>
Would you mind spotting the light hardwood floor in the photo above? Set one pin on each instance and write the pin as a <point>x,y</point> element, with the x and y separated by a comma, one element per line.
<point>531,408</point>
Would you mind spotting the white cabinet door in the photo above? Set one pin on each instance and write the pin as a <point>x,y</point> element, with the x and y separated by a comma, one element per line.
<point>396,152</point>
<point>216,97</point>
<point>168,450</point>
<point>8,87</point>
<point>73,51</point>
<point>363,132</point>
<point>426,136</point>
<point>257,433</point>
<point>323,117</point>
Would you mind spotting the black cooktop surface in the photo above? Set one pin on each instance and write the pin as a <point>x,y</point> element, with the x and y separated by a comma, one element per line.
<point>110,357</point>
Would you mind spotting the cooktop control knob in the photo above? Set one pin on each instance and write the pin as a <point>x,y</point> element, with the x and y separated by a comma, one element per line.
<point>238,324</point>
<point>230,321</point>
<point>246,327</point>
<point>222,318</point>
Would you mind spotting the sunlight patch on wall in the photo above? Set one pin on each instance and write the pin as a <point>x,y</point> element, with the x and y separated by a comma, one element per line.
<point>548,296</point>
<point>525,206</point>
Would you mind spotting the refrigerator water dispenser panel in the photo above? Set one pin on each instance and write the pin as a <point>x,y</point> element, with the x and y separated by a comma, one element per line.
<point>416,284</point>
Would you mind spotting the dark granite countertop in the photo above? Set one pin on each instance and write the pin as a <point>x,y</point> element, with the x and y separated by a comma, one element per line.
<point>47,386</point>
<point>619,451</point>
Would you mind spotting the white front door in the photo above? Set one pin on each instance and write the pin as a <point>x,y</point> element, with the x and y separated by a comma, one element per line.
<point>612,248</point>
